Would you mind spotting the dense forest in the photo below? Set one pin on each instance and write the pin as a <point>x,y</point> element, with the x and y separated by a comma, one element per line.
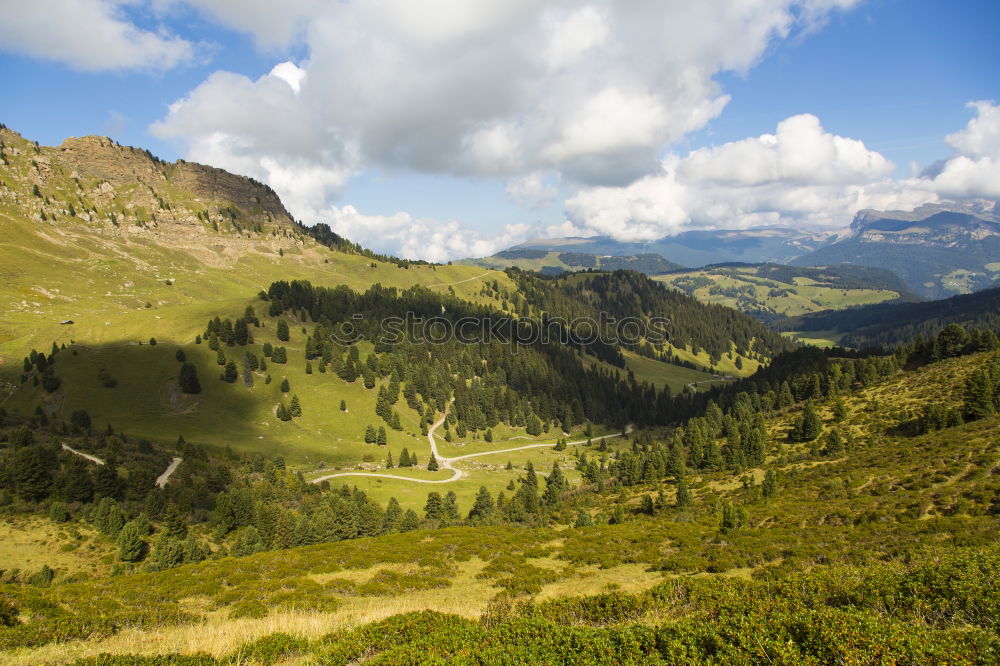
<point>891,324</point>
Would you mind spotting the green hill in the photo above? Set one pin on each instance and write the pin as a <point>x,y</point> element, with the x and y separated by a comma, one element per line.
<point>772,291</point>
<point>879,545</point>
<point>553,263</point>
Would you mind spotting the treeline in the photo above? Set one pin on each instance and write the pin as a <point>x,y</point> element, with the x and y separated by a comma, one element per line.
<point>536,385</point>
<point>324,235</point>
<point>715,329</point>
<point>893,324</point>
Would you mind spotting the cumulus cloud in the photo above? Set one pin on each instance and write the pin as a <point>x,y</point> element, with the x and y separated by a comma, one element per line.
<point>259,129</point>
<point>800,175</point>
<point>89,35</point>
<point>535,190</point>
<point>974,169</point>
<point>501,89</point>
<point>405,236</point>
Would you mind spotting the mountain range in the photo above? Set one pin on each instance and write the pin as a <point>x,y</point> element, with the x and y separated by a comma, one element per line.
<point>938,249</point>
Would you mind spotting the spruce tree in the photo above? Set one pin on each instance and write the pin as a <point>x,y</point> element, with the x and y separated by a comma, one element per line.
<point>410,522</point>
<point>370,434</point>
<point>285,388</point>
<point>432,465</point>
<point>295,408</point>
<point>404,458</point>
<point>232,373</point>
<point>434,507</point>
<point>380,439</point>
<point>388,460</point>
<point>343,405</point>
<point>131,546</point>
<point>282,331</point>
<point>812,426</point>
<point>188,379</point>
<point>683,494</point>
<point>483,505</point>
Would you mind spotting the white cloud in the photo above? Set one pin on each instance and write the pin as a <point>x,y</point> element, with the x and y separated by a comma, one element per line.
<point>259,129</point>
<point>405,236</point>
<point>501,89</point>
<point>974,170</point>
<point>535,190</point>
<point>89,35</point>
<point>800,175</point>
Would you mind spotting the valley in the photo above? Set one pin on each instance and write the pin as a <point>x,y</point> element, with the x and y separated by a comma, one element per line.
<point>201,395</point>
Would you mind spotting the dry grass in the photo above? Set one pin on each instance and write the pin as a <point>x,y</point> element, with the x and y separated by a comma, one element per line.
<point>26,543</point>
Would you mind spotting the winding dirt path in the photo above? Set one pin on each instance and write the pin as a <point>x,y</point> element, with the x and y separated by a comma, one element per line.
<point>451,284</point>
<point>161,480</point>
<point>448,463</point>
<point>93,459</point>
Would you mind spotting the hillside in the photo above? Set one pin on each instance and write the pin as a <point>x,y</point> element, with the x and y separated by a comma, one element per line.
<point>771,291</point>
<point>552,263</point>
<point>938,251</point>
<point>868,542</point>
<point>891,324</point>
<point>698,248</point>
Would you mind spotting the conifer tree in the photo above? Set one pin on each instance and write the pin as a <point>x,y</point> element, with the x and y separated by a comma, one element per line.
<point>282,332</point>
<point>388,460</point>
<point>404,458</point>
<point>232,373</point>
<point>380,439</point>
<point>131,546</point>
<point>483,505</point>
<point>370,434</point>
<point>434,507</point>
<point>432,464</point>
<point>410,521</point>
<point>683,494</point>
<point>285,388</point>
<point>343,405</point>
<point>295,408</point>
<point>449,507</point>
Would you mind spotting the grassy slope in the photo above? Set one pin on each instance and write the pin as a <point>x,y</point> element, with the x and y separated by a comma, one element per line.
<point>803,296</point>
<point>892,497</point>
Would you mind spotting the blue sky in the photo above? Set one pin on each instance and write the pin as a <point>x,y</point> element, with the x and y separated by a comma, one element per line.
<point>441,138</point>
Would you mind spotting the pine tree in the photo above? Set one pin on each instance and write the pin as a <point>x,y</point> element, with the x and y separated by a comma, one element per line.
<point>388,460</point>
<point>281,412</point>
<point>343,405</point>
<point>32,474</point>
<point>188,379</point>
<point>980,395</point>
<point>404,458</point>
<point>647,505</point>
<point>380,439</point>
<point>231,374</point>
<point>295,408</point>
<point>683,494</point>
<point>285,388</point>
<point>450,506</point>
<point>410,522</point>
<point>131,546</point>
<point>483,505</point>
<point>180,356</point>
<point>370,434</point>
<point>282,331</point>
<point>434,507</point>
<point>489,435</point>
<point>107,483</point>
<point>432,465</point>
<point>555,483</point>
<point>810,426</point>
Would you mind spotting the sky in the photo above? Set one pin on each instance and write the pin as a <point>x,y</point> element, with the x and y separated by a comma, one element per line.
<point>442,129</point>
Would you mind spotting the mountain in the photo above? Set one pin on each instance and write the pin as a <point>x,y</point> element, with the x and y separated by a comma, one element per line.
<point>698,248</point>
<point>939,250</point>
<point>551,262</point>
<point>772,291</point>
<point>890,324</point>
